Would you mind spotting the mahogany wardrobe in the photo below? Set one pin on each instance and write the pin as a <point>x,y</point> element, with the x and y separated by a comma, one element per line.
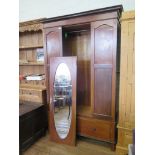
<point>88,45</point>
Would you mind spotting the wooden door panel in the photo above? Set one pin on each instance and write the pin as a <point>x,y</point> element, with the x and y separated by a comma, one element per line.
<point>53,48</point>
<point>103,44</point>
<point>71,63</point>
<point>103,90</point>
<point>103,64</point>
<point>53,44</point>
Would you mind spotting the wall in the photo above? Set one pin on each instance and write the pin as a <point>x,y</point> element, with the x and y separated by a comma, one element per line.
<point>34,9</point>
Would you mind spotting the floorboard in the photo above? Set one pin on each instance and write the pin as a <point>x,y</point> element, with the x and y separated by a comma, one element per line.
<point>83,147</point>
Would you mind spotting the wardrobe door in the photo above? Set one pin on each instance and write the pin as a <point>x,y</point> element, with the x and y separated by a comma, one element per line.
<point>62,113</point>
<point>53,48</point>
<point>103,62</point>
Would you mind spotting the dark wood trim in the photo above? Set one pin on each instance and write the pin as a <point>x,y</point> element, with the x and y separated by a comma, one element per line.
<point>113,108</point>
<point>118,8</point>
<point>82,20</point>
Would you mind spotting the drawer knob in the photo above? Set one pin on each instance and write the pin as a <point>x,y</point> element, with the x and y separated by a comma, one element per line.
<point>94,129</point>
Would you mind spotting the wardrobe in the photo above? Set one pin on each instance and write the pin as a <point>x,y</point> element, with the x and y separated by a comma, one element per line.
<point>93,37</point>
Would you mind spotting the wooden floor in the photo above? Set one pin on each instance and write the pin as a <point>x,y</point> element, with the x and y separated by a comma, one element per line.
<point>83,147</point>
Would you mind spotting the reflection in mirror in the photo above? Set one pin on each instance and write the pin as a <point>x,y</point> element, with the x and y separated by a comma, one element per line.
<point>62,100</point>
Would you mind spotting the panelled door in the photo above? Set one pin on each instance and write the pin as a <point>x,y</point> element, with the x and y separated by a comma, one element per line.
<point>103,43</point>
<point>62,111</point>
<point>53,48</point>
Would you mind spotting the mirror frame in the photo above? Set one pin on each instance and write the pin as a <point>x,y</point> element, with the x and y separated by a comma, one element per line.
<point>71,63</point>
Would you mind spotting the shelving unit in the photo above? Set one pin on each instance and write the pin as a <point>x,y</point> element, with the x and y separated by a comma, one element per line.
<point>30,48</point>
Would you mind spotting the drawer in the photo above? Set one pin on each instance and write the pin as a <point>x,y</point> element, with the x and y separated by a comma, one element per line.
<point>30,98</point>
<point>32,95</point>
<point>94,128</point>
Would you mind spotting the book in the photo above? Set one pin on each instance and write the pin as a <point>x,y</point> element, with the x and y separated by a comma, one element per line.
<point>35,77</point>
<point>40,55</point>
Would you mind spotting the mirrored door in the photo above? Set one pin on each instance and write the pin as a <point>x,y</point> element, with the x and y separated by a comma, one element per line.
<point>62,116</point>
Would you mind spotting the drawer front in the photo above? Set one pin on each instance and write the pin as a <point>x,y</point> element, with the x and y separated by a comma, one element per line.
<point>31,96</point>
<point>95,128</point>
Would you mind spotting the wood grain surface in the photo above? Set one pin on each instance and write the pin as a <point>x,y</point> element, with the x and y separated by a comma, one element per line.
<point>84,147</point>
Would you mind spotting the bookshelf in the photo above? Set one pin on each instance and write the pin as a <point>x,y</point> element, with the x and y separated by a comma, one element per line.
<point>31,62</point>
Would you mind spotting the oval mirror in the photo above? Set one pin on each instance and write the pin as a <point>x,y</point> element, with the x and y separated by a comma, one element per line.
<point>62,100</point>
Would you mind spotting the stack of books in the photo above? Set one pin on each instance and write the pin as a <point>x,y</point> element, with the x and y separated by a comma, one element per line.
<point>36,77</point>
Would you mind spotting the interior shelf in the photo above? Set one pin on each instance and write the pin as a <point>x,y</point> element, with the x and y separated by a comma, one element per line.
<point>32,64</point>
<point>83,110</point>
<point>32,87</point>
<point>32,46</point>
